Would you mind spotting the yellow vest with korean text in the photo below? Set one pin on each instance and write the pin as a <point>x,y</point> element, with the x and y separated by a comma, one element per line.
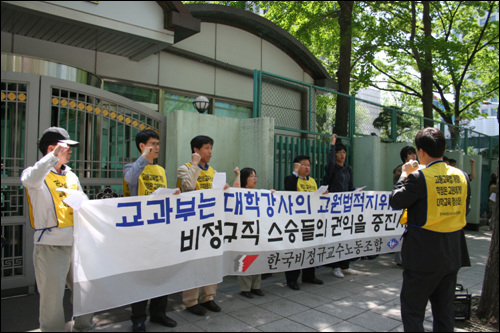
<point>152,178</point>
<point>205,179</point>
<point>63,212</point>
<point>446,198</point>
<point>308,185</point>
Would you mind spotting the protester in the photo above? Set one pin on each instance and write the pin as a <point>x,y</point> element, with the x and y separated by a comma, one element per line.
<point>434,248</point>
<point>407,154</point>
<point>472,162</point>
<point>338,177</point>
<point>299,180</point>
<point>143,177</point>
<point>492,186</point>
<point>472,174</point>
<point>249,284</point>
<point>52,220</point>
<point>193,176</point>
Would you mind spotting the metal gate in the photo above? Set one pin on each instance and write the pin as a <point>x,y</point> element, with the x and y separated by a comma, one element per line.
<point>105,124</point>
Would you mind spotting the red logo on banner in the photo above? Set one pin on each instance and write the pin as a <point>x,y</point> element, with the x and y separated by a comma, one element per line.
<point>246,261</point>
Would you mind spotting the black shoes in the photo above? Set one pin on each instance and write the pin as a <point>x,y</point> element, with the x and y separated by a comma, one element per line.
<point>138,326</point>
<point>247,294</point>
<point>197,310</point>
<point>257,292</point>
<point>293,285</point>
<point>165,321</point>
<point>211,305</point>
<point>313,281</point>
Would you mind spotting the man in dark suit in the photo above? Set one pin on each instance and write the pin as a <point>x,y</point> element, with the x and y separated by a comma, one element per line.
<point>434,248</point>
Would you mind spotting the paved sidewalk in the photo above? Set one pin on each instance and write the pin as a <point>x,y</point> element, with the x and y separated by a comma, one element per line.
<point>357,303</point>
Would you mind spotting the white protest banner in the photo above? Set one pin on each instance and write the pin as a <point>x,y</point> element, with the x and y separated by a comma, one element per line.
<point>136,248</point>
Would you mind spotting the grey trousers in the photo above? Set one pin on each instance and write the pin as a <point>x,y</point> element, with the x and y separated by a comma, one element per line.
<point>53,271</point>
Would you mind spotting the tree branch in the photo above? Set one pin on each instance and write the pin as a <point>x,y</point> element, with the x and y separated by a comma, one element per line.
<point>321,18</point>
<point>396,81</point>
<point>478,99</point>
<point>476,48</point>
<point>414,51</point>
<point>396,90</point>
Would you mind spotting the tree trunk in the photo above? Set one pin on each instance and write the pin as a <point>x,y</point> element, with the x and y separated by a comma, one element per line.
<point>344,70</point>
<point>426,69</point>
<point>455,137</point>
<point>488,305</point>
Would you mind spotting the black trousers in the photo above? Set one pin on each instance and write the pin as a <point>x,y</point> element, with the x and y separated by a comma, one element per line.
<point>308,274</point>
<point>420,287</point>
<point>157,308</point>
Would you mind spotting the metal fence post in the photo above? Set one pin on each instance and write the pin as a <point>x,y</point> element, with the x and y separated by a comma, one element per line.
<point>442,127</point>
<point>310,109</point>
<point>394,126</point>
<point>257,93</point>
<point>490,151</point>
<point>352,117</point>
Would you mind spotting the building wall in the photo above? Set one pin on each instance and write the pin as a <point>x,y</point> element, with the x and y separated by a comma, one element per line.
<point>488,126</point>
<point>217,41</point>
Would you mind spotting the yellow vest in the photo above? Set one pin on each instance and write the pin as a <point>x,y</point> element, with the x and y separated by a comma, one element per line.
<point>446,198</point>
<point>404,217</point>
<point>152,177</point>
<point>64,213</point>
<point>307,185</point>
<point>204,181</point>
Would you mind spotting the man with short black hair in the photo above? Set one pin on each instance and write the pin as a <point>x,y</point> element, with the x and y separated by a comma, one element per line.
<point>143,177</point>
<point>300,181</point>
<point>434,248</point>
<point>193,176</point>
<point>338,177</point>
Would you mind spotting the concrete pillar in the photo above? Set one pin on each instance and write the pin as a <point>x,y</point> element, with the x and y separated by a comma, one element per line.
<point>367,162</point>
<point>473,218</point>
<point>237,142</point>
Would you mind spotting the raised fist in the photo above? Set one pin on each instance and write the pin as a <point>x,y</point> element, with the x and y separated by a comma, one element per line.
<point>195,158</point>
<point>146,151</point>
<point>334,139</point>
<point>296,167</point>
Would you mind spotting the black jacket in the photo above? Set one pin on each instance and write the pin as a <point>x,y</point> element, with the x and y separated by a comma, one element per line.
<point>338,178</point>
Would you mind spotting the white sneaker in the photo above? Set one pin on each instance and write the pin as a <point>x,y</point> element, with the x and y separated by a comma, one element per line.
<point>350,271</point>
<point>338,272</point>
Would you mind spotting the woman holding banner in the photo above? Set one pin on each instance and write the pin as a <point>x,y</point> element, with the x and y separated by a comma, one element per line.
<point>249,284</point>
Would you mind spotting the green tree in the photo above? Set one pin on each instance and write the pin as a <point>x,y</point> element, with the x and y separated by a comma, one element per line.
<point>317,24</point>
<point>404,123</point>
<point>464,44</point>
<point>400,46</point>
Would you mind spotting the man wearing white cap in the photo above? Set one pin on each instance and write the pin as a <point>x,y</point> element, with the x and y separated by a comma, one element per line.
<point>52,220</point>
